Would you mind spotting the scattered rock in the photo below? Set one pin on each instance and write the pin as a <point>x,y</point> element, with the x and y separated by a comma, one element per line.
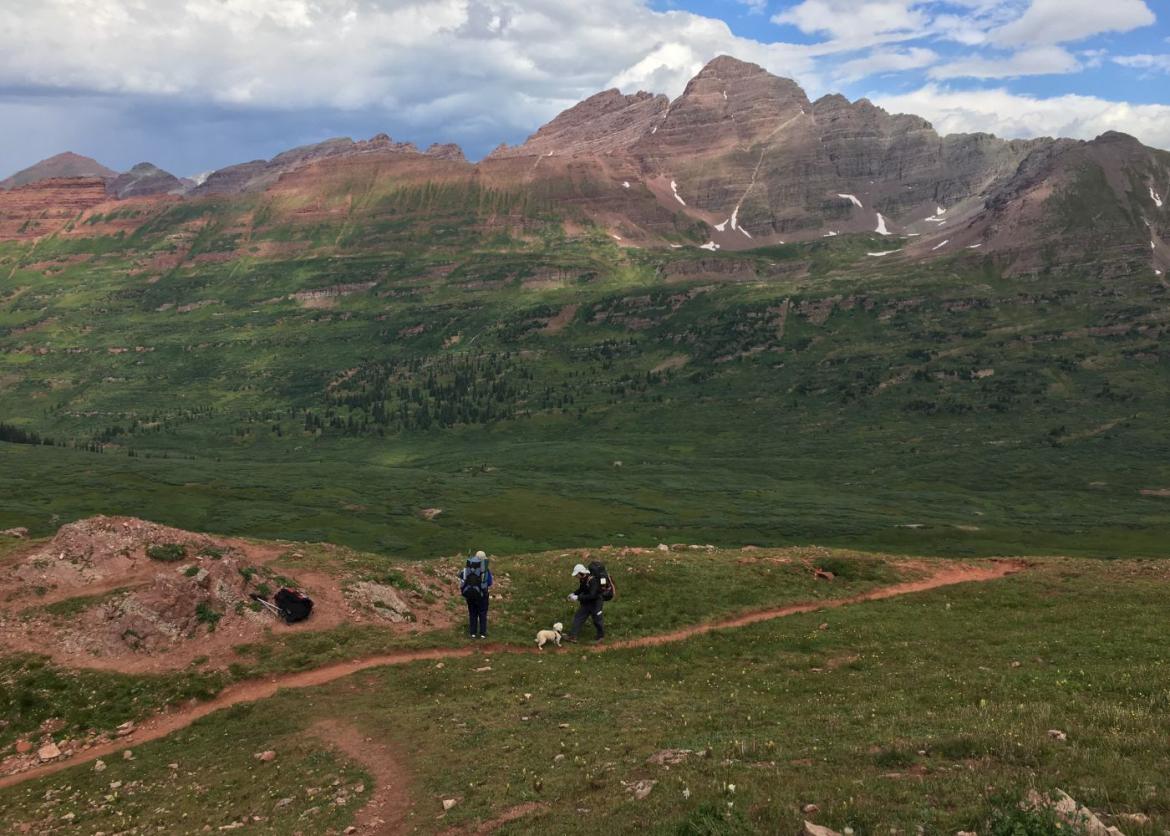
<point>662,547</point>
<point>811,829</point>
<point>128,755</point>
<point>125,729</point>
<point>640,789</point>
<point>448,803</point>
<point>266,756</point>
<point>99,766</point>
<point>966,833</point>
<point>669,757</point>
<point>809,809</point>
<point>824,626</point>
<point>823,575</point>
<point>1057,735</point>
<point>1017,664</point>
<point>1081,818</point>
<point>18,533</point>
<point>284,802</point>
<point>49,752</point>
<point>1140,819</point>
<point>483,669</point>
<point>430,513</point>
<point>23,747</point>
<point>558,758</point>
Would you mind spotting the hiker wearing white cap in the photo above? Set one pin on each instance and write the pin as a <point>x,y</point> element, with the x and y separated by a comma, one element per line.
<point>474,581</point>
<point>589,603</point>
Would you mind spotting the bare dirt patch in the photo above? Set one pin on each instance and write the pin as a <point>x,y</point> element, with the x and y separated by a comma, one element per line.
<point>385,811</point>
<point>94,597</point>
<point>559,322</point>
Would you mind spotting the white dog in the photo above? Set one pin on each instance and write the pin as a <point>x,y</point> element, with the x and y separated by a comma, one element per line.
<point>553,635</point>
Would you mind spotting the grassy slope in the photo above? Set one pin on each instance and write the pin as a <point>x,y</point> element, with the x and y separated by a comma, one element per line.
<point>531,590</point>
<point>902,713</point>
<point>864,411</point>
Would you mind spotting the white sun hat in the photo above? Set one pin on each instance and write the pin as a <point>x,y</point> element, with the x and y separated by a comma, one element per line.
<point>579,570</point>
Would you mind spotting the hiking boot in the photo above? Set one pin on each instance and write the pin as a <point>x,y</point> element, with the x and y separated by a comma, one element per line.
<point>599,640</point>
<point>572,639</point>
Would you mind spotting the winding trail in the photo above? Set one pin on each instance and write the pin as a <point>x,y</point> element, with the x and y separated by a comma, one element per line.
<point>164,724</point>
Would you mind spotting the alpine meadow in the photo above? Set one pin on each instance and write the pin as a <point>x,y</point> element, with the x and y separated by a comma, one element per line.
<point>862,423</point>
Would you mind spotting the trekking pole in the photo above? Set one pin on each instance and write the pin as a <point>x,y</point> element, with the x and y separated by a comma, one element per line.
<point>272,608</point>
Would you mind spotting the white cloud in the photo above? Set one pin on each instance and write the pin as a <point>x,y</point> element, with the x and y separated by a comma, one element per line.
<point>1159,63</point>
<point>884,62</point>
<point>1062,21</point>
<point>850,20</point>
<point>1007,114</point>
<point>505,58</point>
<point>1043,60</point>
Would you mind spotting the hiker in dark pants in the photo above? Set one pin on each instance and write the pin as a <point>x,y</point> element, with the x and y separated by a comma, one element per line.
<point>589,603</point>
<point>474,581</point>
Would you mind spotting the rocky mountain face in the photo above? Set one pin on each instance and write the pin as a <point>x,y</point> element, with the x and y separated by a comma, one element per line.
<point>61,165</point>
<point>47,206</point>
<point>144,180</point>
<point>262,174</point>
<point>744,159</point>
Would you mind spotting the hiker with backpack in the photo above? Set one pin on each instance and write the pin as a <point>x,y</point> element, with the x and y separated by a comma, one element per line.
<point>474,581</point>
<point>594,588</point>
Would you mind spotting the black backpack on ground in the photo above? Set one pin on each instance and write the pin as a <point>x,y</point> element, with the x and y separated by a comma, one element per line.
<point>597,570</point>
<point>295,606</point>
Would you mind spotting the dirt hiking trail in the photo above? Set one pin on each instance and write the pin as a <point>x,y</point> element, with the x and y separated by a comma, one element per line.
<point>382,813</point>
<point>168,722</point>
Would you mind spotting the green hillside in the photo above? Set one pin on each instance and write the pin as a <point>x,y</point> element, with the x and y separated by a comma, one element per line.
<point>231,365</point>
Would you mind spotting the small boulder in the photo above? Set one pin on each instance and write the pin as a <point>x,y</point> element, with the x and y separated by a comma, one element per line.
<point>669,757</point>
<point>125,729</point>
<point>49,752</point>
<point>811,829</point>
<point>266,756</point>
<point>1057,735</point>
<point>18,533</point>
<point>23,747</point>
<point>128,755</point>
<point>99,766</point>
<point>640,789</point>
<point>662,547</point>
<point>448,803</point>
<point>1139,819</point>
<point>809,809</point>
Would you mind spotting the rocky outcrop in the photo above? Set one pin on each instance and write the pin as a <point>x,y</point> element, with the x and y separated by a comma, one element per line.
<point>47,206</point>
<point>262,174</point>
<point>57,167</point>
<point>144,180</point>
<point>446,151</point>
<point>604,123</point>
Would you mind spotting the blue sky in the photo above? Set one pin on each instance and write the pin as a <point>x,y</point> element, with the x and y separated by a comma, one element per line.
<point>193,85</point>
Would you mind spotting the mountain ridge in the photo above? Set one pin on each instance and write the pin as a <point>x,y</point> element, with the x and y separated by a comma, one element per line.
<point>743,159</point>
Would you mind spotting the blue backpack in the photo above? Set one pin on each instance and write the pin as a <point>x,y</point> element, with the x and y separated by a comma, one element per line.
<point>475,580</point>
